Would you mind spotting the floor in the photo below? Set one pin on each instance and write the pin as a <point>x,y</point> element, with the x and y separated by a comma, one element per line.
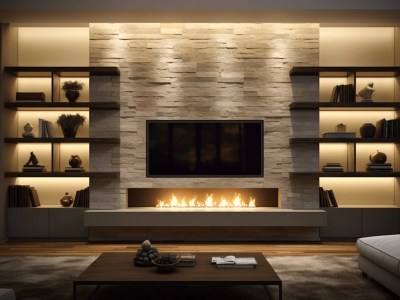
<point>84,248</point>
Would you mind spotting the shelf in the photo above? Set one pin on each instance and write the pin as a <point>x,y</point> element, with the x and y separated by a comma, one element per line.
<point>347,174</point>
<point>63,140</point>
<point>31,105</point>
<point>344,106</point>
<point>63,174</point>
<point>344,140</point>
<point>61,71</point>
<point>363,206</point>
<point>343,71</point>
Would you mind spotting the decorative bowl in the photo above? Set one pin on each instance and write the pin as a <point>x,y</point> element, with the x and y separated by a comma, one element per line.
<point>166,267</point>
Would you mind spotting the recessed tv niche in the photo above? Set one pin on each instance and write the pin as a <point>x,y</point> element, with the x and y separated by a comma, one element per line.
<point>205,148</point>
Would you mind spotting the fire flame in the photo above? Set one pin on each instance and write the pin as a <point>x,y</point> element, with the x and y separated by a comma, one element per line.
<point>209,202</point>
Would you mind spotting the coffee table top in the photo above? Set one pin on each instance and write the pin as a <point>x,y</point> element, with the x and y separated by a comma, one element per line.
<point>118,268</point>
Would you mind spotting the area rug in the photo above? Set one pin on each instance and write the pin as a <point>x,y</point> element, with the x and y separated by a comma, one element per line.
<point>304,277</point>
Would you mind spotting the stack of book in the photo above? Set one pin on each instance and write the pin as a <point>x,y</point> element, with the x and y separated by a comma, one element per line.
<point>30,96</point>
<point>332,167</point>
<point>386,167</point>
<point>327,198</point>
<point>45,128</point>
<point>82,198</point>
<point>22,196</point>
<point>34,168</point>
<point>388,128</point>
<point>339,135</point>
<point>71,169</point>
<point>186,259</point>
<point>343,93</point>
<point>231,261</point>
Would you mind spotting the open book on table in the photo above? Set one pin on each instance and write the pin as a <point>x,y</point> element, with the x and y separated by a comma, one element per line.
<point>232,261</point>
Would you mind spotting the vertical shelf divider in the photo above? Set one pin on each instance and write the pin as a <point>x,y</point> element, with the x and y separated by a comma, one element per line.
<point>55,87</point>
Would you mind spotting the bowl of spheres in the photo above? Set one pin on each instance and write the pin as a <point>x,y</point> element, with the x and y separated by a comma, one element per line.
<point>166,263</point>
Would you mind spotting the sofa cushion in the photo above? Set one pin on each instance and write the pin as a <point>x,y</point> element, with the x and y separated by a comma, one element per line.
<point>383,250</point>
<point>7,294</point>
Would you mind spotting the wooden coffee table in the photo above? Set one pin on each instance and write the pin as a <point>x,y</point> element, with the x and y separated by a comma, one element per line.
<point>113,268</point>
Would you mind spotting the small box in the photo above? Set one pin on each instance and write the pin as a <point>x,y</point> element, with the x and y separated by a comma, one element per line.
<point>31,96</point>
<point>340,127</point>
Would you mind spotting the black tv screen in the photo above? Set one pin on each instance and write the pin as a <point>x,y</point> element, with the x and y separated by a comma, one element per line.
<point>205,148</point>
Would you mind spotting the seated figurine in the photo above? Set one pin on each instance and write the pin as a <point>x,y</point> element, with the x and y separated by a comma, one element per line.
<point>32,160</point>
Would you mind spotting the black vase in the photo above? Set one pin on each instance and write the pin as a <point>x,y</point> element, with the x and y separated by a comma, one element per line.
<point>367,130</point>
<point>75,161</point>
<point>69,132</point>
<point>72,95</point>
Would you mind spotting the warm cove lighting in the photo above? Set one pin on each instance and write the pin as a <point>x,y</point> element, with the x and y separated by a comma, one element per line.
<point>208,202</point>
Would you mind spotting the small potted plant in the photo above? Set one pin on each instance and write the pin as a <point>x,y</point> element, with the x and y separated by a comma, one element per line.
<point>71,89</point>
<point>70,123</point>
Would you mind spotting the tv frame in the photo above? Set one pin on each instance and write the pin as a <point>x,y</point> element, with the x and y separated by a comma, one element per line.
<point>261,122</point>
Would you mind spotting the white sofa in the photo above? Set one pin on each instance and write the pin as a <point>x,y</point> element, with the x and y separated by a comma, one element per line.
<point>380,259</point>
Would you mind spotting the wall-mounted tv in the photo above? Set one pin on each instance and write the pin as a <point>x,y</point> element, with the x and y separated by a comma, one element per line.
<point>205,148</point>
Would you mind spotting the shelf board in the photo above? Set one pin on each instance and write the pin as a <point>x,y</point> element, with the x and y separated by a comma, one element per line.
<point>364,206</point>
<point>347,174</point>
<point>343,71</point>
<point>31,105</point>
<point>63,140</point>
<point>343,140</point>
<point>49,206</point>
<point>63,174</point>
<point>61,71</point>
<point>344,106</point>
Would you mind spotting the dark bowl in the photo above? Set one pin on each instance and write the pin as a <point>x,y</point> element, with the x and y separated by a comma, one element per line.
<point>166,267</point>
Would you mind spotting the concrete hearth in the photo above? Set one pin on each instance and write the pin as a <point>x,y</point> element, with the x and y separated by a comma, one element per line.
<point>155,217</point>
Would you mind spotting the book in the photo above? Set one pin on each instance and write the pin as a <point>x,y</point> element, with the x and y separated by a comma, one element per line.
<point>332,198</point>
<point>71,169</point>
<point>35,197</point>
<point>30,96</point>
<point>339,135</point>
<point>36,168</point>
<point>232,261</point>
<point>186,259</point>
<point>335,94</point>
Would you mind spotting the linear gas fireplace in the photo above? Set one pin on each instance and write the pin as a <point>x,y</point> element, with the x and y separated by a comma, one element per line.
<point>203,198</point>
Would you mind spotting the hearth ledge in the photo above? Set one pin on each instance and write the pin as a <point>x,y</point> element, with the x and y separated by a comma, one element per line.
<point>205,217</point>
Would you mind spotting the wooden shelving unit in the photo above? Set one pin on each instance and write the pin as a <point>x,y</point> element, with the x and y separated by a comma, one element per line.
<point>347,174</point>
<point>344,106</point>
<point>343,71</point>
<point>63,174</point>
<point>49,106</point>
<point>63,140</point>
<point>61,71</point>
<point>313,140</point>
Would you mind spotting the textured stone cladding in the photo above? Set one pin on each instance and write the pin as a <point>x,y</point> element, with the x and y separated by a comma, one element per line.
<point>203,72</point>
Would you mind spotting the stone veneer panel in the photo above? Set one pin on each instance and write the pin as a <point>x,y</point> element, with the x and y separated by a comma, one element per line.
<point>205,71</point>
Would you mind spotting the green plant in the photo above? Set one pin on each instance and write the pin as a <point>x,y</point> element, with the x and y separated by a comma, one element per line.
<point>72,85</point>
<point>71,121</point>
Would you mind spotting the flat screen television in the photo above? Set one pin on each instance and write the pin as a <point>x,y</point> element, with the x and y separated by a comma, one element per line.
<point>205,148</point>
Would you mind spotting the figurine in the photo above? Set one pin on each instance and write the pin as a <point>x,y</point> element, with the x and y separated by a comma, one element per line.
<point>32,160</point>
<point>367,92</point>
<point>28,131</point>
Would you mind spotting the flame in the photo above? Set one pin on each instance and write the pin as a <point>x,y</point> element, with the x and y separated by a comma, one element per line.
<point>209,202</point>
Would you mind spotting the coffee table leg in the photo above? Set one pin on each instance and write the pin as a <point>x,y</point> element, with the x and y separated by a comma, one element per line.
<point>280,291</point>
<point>74,291</point>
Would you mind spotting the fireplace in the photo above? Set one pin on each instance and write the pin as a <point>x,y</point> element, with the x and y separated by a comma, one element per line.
<point>203,198</point>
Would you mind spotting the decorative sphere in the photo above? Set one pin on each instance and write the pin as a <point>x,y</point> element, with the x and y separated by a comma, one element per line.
<point>146,245</point>
<point>378,157</point>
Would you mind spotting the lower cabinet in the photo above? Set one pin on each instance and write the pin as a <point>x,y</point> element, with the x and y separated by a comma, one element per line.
<point>360,222</point>
<point>25,222</point>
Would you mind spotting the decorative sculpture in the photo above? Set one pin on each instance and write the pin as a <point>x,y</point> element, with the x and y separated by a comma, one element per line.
<point>366,92</point>
<point>32,160</point>
<point>28,131</point>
